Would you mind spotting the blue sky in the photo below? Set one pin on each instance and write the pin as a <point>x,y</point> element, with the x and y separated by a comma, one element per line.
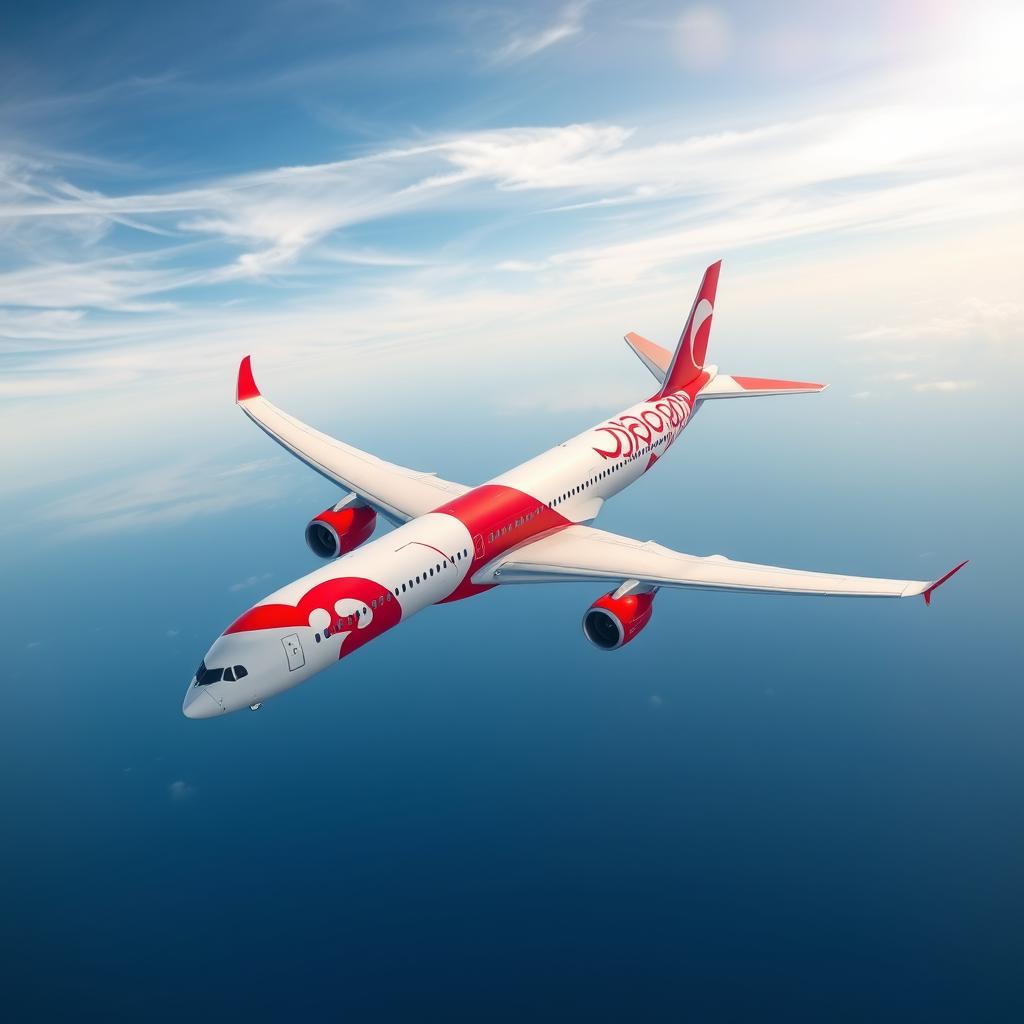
<point>431,225</point>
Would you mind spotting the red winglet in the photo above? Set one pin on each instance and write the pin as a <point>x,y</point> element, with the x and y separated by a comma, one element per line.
<point>246,384</point>
<point>938,583</point>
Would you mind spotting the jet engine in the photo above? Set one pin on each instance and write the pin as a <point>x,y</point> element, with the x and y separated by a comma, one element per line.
<point>612,621</point>
<point>338,530</point>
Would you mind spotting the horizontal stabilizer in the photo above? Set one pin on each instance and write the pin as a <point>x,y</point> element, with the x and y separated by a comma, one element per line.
<point>724,386</point>
<point>653,356</point>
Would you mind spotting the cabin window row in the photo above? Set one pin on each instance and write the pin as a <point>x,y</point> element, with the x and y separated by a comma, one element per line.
<point>579,488</point>
<point>423,577</point>
<point>353,619</point>
<point>514,525</point>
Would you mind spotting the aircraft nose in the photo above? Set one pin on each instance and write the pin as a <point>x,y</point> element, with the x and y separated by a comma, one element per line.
<point>199,704</point>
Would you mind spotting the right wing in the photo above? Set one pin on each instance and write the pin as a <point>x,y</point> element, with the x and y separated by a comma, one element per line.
<point>400,494</point>
<point>581,553</point>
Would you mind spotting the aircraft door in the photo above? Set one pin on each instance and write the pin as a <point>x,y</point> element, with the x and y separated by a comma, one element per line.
<point>293,651</point>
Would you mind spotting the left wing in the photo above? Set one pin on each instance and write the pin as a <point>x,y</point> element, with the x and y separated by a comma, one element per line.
<point>400,494</point>
<point>581,553</point>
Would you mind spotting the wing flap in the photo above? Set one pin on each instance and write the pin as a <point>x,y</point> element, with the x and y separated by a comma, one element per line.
<point>400,494</point>
<point>581,553</point>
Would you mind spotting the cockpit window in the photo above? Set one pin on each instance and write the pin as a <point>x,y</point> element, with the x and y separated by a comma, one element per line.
<point>205,676</point>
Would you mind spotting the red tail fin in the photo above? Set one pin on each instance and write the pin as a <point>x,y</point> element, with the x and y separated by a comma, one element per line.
<point>693,343</point>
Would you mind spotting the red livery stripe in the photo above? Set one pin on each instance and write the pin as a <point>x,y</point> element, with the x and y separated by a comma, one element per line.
<point>498,518</point>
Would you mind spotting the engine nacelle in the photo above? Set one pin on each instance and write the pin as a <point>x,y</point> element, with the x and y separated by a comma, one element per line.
<point>611,622</point>
<point>336,531</point>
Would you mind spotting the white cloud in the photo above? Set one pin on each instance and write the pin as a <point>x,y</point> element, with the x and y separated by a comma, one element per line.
<point>526,44</point>
<point>894,376</point>
<point>605,218</point>
<point>179,790</point>
<point>946,386</point>
<point>969,319</point>
<point>880,169</point>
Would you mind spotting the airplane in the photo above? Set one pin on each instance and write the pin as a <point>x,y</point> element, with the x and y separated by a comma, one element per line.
<point>527,525</point>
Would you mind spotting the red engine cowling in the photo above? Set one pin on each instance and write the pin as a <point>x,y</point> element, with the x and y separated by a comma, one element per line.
<point>337,531</point>
<point>611,622</point>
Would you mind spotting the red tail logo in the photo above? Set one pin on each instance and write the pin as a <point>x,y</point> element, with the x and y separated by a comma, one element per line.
<point>688,360</point>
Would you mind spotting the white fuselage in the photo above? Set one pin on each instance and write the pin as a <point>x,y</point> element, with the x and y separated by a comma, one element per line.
<point>309,624</point>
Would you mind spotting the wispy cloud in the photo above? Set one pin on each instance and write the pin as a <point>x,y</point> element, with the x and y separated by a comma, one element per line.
<point>526,44</point>
<point>816,175</point>
<point>180,790</point>
<point>160,497</point>
<point>249,582</point>
<point>946,386</point>
<point>969,318</point>
<point>107,280</point>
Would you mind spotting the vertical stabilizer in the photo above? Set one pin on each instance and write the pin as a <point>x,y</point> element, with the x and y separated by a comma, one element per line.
<point>689,356</point>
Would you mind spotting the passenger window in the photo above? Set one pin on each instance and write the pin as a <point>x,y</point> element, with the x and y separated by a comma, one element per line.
<point>317,638</point>
<point>327,632</point>
<point>403,588</point>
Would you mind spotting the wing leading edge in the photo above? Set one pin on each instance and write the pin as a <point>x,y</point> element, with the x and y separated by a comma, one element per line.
<point>400,494</point>
<point>581,553</point>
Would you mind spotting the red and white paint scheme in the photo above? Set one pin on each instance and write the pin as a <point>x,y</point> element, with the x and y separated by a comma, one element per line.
<point>527,525</point>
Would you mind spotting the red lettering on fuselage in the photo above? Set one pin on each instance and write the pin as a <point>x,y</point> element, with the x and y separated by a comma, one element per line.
<point>630,433</point>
